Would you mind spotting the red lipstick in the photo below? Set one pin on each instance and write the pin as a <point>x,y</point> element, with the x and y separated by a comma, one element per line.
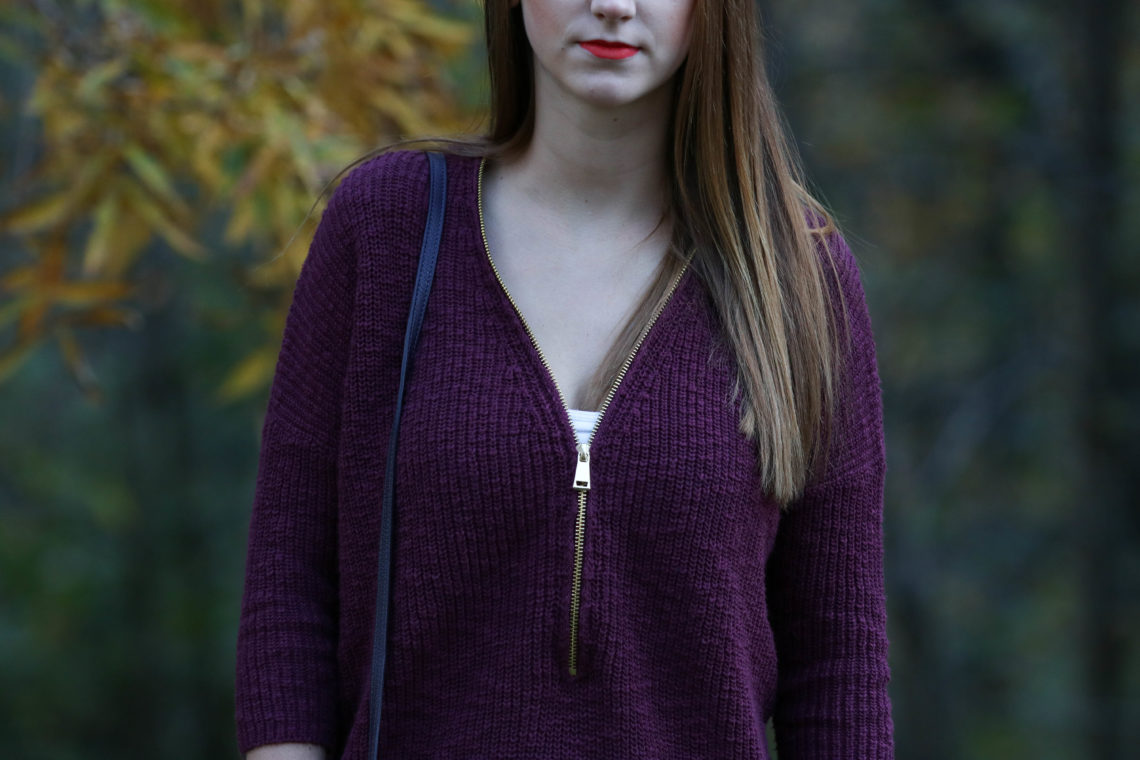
<point>609,50</point>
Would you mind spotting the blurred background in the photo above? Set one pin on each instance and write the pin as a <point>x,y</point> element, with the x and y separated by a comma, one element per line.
<point>158,160</point>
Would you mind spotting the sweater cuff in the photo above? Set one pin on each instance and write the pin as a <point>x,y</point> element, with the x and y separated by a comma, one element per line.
<point>253,734</point>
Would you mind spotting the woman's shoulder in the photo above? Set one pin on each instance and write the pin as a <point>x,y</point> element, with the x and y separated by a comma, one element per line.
<point>840,268</point>
<point>386,191</point>
<point>380,188</point>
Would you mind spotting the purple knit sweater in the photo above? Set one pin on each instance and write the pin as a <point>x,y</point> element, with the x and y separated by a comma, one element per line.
<point>702,609</point>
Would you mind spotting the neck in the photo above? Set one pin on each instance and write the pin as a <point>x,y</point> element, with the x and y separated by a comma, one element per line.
<point>597,162</point>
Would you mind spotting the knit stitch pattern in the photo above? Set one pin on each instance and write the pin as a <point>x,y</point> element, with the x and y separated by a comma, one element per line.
<point>705,609</point>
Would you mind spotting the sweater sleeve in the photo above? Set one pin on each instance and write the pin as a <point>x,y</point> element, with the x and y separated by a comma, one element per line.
<point>825,574</point>
<point>285,689</point>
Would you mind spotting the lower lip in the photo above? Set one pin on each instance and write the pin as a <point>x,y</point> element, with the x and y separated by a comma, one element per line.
<point>609,52</point>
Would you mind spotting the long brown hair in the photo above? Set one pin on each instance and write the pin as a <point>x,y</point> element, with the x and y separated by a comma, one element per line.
<point>739,209</point>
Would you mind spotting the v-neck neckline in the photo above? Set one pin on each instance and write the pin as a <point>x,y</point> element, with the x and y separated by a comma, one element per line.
<point>520,320</point>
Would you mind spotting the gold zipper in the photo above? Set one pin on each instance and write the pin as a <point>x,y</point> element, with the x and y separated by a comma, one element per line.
<point>582,453</point>
<point>581,485</point>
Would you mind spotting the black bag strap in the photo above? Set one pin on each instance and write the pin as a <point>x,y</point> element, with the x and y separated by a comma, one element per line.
<point>429,251</point>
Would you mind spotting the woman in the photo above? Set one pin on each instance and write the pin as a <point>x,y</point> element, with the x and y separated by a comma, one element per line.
<point>640,468</point>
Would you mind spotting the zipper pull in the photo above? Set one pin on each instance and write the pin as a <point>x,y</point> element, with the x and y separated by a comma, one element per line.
<point>582,471</point>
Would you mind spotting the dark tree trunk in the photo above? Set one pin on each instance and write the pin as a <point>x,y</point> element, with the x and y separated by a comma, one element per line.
<point>1099,30</point>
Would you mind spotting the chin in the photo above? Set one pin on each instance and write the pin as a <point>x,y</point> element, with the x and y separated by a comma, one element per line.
<point>609,96</point>
<point>607,101</point>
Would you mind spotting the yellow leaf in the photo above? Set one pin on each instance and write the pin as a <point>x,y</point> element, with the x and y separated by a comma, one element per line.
<point>286,209</point>
<point>98,247</point>
<point>302,154</point>
<point>76,363</point>
<point>93,174</point>
<point>252,374</point>
<point>128,237</point>
<point>152,174</point>
<point>80,293</point>
<point>31,319</point>
<point>37,215</point>
<point>401,112</point>
<point>197,51</point>
<point>444,35</point>
<point>11,359</point>
<point>69,348</point>
<point>106,316</point>
<point>241,222</point>
<point>205,158</point>
<point>54,210</point>
<point>96,79</point>
<point>19,278</point>
<point>153,215</point>
<point>256,170</point>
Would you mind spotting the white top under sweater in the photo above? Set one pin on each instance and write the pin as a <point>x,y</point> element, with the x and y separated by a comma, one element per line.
<point>583,422</point>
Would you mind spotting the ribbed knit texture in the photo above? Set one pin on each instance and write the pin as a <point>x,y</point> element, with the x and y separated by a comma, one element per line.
<point>705,610</point>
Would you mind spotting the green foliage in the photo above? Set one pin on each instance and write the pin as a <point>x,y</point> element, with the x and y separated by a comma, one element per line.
<point>160,158</point>
<point>154,114</point>
<point>952,140</point>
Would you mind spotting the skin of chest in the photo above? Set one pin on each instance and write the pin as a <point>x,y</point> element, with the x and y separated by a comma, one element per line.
<point>575,281</point>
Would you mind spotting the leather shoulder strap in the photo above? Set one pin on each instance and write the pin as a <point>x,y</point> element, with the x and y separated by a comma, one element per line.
<point>429,252</point>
